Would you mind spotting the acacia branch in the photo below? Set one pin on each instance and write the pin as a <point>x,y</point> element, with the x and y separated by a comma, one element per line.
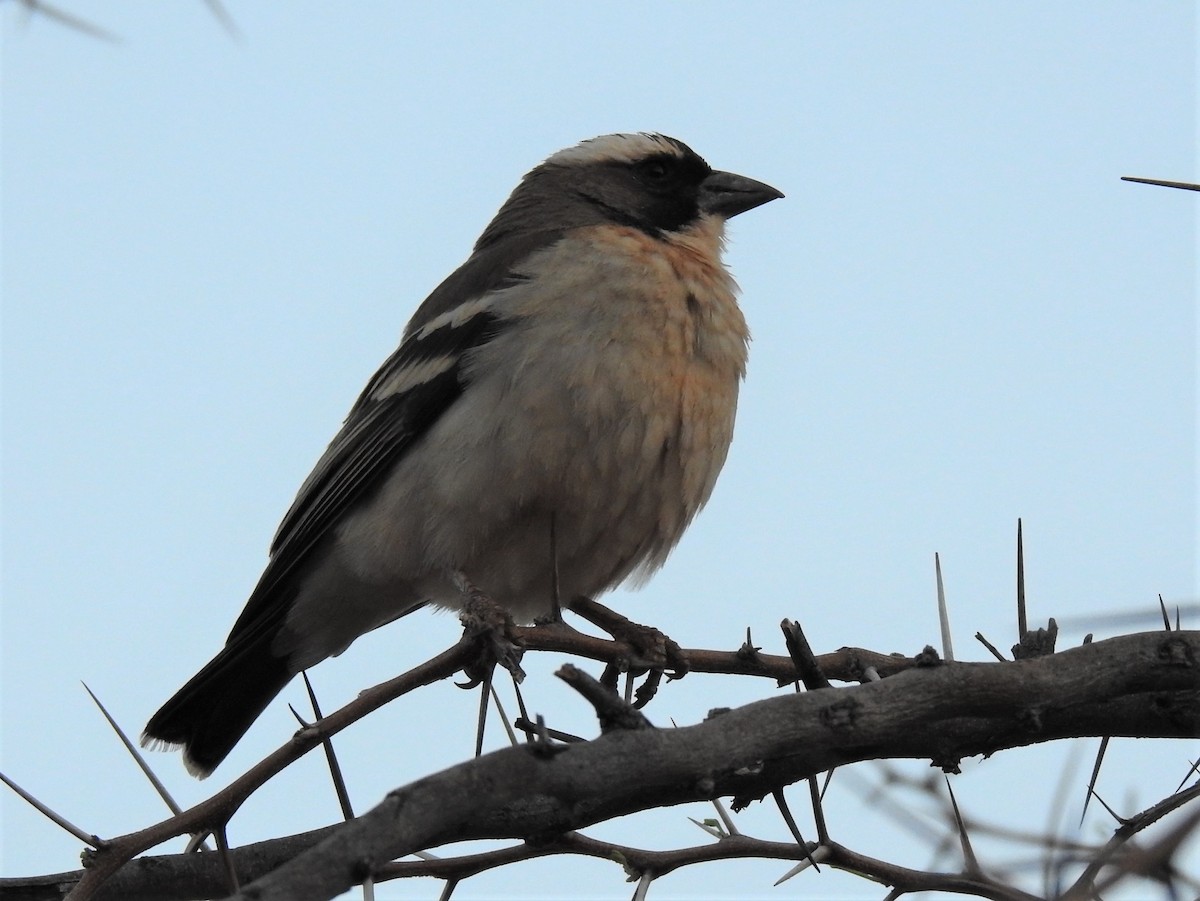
<point>1146,685</point>
<point>1085,885</point>
<point>111,855</point>
<point>638,861</point>
<point>1140,685</point>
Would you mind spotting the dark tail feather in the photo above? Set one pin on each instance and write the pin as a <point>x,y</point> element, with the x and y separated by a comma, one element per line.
<point>213,711</point>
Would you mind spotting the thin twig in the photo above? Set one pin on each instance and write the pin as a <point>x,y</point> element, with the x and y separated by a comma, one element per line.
<point>222,15</point>
<point>62,822</point>
<point>508,729</point>
<point>335,769</point>
<point>135,753</point>
<point>1185,185</point>
<point>1022,621</point>
<point>226,858</point>
<point>943,611</point>
<point>64,18</point>
<point>969,858</point>
<point>1091,786</point>
<point>818,811</point>
<point>781,802</point>
<point>991,647</point>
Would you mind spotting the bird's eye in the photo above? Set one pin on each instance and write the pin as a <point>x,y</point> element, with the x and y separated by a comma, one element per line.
<point>656,171</point>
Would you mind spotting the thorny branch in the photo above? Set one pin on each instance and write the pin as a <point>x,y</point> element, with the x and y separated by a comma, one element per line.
<point>845,664</point>
<point>1143,685</point>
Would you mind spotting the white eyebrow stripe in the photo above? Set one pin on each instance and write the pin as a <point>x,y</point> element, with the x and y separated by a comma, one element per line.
<point>621,148</point>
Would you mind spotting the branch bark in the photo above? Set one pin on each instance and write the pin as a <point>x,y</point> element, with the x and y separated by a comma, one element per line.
<point>112,855</point>
<point>1145,685</point>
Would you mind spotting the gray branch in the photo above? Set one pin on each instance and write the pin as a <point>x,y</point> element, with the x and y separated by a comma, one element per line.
<point>1139,685</point>
<point>1145,685</point>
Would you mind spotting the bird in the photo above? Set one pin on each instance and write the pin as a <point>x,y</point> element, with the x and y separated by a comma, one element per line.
<point>577,375</point>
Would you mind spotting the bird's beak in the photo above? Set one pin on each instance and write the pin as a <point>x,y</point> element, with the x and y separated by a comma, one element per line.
<point>725,194</point>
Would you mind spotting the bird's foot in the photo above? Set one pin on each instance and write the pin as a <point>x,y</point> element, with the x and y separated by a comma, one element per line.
<point>652,651</point>
<point>490,626</point>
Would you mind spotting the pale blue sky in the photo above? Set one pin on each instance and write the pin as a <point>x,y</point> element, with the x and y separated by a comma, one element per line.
<point>961,316</point>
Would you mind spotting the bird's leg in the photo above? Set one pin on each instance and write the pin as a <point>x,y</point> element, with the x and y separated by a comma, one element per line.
<point>490,626</point>
<point>554,617</point>
<point>653,651</point>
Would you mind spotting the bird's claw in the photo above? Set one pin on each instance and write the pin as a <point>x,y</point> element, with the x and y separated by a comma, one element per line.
<point>652,651</point>
<point>490,627</point>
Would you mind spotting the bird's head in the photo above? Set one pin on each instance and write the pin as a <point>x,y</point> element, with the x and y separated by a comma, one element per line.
<point>647,181</point>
